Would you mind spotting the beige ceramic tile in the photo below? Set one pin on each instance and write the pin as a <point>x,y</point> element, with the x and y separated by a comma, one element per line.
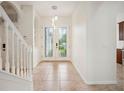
<point>62,76</point>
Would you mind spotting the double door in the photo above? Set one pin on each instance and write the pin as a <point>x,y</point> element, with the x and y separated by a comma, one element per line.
<point>56,43</point>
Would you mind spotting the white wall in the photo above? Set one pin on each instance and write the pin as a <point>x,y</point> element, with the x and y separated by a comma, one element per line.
<point>99,58</point>
<point>26,23</point>
<point>37,40</point>
<point>79,39</point>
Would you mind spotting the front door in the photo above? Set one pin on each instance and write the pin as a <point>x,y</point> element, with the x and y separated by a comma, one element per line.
<point>56,43</point>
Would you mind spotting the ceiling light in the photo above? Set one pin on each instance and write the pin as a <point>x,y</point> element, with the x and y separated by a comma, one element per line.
<point>56,18</point>
<point>54,7</point>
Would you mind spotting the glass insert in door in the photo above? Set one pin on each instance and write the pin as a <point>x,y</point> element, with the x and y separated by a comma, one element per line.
<point>62,49</point>
<point>48,42</point>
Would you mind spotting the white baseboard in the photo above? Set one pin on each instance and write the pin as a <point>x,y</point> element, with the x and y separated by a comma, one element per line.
<point>93,82</point>
<point>101,82</point>
<point>83,78</point>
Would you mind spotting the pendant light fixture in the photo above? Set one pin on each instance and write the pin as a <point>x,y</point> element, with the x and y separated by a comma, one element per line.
<point>55,17</point>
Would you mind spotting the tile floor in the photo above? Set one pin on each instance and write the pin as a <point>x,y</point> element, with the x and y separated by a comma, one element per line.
<point>62,76</point>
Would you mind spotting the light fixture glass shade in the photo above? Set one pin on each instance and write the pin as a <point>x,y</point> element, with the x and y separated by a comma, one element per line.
<point>56,18</point>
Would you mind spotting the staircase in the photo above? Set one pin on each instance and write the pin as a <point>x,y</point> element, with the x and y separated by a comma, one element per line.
<point>15,57</point>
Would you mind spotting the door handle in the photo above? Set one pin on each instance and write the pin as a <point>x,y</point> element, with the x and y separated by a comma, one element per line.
<point>4,47</point>
<point>56,44</point>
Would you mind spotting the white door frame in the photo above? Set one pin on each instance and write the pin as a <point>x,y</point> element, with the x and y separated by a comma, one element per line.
<point>54,58</point>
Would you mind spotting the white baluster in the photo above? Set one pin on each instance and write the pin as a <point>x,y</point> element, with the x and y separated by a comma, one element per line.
<point>30,63</point>
<point>1,34</point>
<point>17,66</point>
<point>0,55</point>
<point>7,46</point>
<point>25,62</point>
<point>21,59</point>
<point>13,52</point>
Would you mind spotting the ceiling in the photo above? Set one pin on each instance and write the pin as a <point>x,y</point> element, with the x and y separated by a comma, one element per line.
<point>64,8</point>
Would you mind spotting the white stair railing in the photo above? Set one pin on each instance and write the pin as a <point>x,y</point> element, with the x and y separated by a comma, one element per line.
<point>18,55</point>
